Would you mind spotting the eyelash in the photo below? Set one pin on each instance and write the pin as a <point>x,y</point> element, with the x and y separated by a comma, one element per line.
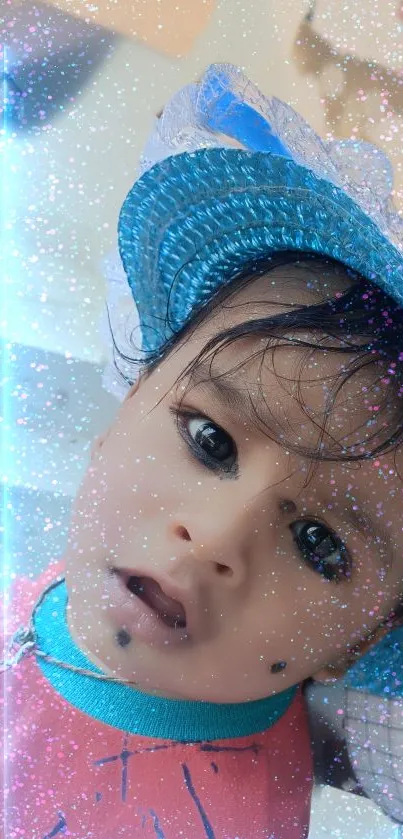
<point>334,572</point>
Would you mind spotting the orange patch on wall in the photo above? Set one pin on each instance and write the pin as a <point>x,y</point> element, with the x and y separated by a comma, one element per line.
<point>169,26</point>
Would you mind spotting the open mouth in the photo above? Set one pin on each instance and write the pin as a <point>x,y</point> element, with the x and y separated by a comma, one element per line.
<point>168,610</point>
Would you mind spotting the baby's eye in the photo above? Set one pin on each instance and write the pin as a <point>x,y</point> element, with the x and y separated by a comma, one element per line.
<point>322,549</point>
<point>208,441</point>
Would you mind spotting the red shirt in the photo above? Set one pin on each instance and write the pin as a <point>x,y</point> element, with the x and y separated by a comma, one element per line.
<point>70,773</point>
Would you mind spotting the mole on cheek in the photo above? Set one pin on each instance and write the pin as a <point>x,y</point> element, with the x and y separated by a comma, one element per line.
<point>278,667</point>
<point>123,638</point>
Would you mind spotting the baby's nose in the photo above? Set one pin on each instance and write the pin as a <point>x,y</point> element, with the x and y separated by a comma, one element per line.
<point>211,546</point>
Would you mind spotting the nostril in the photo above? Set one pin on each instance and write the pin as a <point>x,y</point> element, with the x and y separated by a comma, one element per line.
<point>223,569</point>
<point>183,533</point>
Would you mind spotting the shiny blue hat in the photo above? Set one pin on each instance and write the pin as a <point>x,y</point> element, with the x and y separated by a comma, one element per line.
<point>230,177</point>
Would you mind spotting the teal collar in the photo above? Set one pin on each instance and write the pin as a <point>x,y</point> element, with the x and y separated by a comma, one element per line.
<point>130,710</point>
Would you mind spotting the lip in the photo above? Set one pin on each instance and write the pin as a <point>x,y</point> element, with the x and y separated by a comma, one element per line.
<point>141,620</point>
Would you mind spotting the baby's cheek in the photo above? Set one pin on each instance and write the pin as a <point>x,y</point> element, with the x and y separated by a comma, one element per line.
<point>127,504</point>
<point>307,615</point>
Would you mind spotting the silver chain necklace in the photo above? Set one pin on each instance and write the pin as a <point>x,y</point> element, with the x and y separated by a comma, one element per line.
<point>24,643</point>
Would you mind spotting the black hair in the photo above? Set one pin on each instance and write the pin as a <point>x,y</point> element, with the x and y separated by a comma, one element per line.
<point>363,322</point>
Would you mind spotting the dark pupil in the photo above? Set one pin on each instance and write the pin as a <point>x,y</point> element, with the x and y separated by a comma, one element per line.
<point>322,543</point>
<point>214,441</point>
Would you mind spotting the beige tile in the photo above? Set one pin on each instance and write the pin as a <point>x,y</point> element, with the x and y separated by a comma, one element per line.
<point>361,96</point>
<point>372,31</point>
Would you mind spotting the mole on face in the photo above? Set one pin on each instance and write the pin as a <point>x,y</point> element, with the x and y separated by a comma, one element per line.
<point>278,667</point>
<point>123,638</point>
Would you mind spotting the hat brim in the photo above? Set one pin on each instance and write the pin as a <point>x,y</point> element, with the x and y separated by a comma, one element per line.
<point>191,223</point>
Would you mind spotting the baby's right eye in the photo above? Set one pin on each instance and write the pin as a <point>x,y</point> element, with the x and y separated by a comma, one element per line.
<point>208,442</point>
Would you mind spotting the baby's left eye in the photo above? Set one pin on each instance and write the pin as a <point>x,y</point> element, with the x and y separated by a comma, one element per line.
<point>322,549</point>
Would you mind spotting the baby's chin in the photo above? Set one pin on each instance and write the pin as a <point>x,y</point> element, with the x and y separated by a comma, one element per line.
<point>150,677</point>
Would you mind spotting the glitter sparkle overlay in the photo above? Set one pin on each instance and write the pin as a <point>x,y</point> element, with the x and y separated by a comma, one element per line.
<point>80,91</point>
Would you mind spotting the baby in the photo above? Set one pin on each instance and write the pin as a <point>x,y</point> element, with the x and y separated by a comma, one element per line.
<point>237,531</point>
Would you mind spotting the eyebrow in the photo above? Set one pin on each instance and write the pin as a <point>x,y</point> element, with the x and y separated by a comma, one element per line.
<point>237,400</point>
<point>229,394</point>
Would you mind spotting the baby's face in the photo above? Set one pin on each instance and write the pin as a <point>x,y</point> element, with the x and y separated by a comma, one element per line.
<point>210,507</point>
